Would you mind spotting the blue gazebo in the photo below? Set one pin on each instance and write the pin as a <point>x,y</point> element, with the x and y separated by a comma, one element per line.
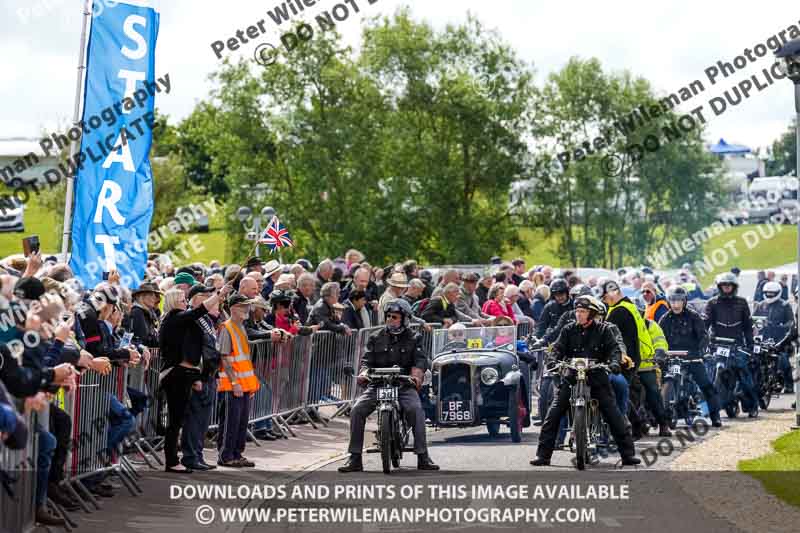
<point>723,148</point>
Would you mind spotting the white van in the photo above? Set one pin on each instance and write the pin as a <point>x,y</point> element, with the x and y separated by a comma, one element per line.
<point>770,196</point>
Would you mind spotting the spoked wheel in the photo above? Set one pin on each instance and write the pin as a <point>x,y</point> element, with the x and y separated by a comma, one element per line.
<point>517,415</point>
<point>581,439</point>
<point>386,442</point>
<point>670,406</point>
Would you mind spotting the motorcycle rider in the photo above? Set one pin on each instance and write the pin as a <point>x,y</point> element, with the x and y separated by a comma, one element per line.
<point>556,313</point>
<point>394,344</point>
<point>780,319</point>
<point>587,338</point>
<point>684,329</point>
<point>624,314</point>
<point>728,315</point>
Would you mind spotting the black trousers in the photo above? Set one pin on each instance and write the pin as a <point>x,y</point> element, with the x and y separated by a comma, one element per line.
<point>178,388</point>
<point>653,395</point>
<point>61,428</point>
<point>600,391</point>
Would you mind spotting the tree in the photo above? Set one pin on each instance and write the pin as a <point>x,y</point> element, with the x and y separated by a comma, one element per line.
<point>609,218</point>
<point>405,150</point>
<point>784,153</point>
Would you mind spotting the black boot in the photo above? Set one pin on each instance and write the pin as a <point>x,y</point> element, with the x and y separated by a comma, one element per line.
<point>663,430</point>
<point>630,460</point>
<point>424,462</point>
<point>541,461</point>
<point>716,421</point>
<point>353,464</point>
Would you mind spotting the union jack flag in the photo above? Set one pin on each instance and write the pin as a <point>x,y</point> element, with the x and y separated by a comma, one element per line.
<point>276,236</point>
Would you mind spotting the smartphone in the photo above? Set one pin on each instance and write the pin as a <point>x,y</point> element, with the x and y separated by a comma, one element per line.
<point>105,276</point>
<point>126,340</point>
<point>30,245</point>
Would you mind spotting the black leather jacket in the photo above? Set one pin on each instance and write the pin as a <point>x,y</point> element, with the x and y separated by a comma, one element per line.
<point>386,350</point>
<point>596,341</point>
<point>729,316</point>
<point>550,314</point>
<point>684,331</point>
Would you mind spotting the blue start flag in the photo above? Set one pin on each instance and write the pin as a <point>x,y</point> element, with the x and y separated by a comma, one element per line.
<point>114,186</point>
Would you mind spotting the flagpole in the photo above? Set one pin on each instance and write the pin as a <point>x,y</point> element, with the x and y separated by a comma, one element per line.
<point>75,146</point>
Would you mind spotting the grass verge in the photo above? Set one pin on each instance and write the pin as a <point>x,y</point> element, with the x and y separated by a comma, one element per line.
<point>779,471</point>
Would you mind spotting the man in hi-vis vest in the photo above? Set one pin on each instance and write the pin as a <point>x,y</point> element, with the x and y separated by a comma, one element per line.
<point>236,385</point>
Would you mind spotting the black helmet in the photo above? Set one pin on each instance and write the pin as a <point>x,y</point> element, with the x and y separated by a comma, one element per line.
<point>401,306</point>
<point>677,294</point>
<point>559,285</point>
<point>591,303</point>
<point>580,290</point>
<point>606,285</point>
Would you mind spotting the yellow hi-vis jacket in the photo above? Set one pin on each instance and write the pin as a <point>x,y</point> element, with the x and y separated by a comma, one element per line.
<point>242,366</point>
<point>646,350</point>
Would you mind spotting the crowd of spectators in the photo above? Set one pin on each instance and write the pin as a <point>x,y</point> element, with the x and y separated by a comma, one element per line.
<point>201,318</point>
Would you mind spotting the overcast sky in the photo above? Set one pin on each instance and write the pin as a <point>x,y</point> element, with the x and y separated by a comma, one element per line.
<point>669,43</point>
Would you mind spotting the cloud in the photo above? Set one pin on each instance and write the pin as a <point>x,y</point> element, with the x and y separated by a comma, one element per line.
<point>670,44</point>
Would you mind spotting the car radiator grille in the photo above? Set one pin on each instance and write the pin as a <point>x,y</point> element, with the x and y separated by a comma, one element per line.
<point>456,385</point>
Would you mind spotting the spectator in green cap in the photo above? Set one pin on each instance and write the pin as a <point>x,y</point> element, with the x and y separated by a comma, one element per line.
<point>184,281</point>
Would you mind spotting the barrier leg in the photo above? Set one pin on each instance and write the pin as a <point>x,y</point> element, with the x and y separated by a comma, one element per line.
<point>280,423</point>
<point>129,483</point>
<point>252,437</point>
<point>151,451</point>
<point>75,496</point>
<point>89,495</point>
<point>341,410</point>
<point>125,463</point>
<point>70,524</point>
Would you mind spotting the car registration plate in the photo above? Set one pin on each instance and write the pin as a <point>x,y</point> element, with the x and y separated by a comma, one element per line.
<point>387,393</point>
<point>722,351</point>
<point>675,369</point>
<point>456,411</point>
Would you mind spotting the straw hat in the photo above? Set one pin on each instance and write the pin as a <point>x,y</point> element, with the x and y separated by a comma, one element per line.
<point>399,280</point>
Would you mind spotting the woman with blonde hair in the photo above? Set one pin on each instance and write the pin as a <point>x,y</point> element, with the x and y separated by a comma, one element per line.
<point>540,297</point>
<point>495,304</point>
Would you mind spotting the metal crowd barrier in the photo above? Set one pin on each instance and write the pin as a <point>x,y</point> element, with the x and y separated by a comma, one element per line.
<point>524,329</point>
<point>18,482</point>
<point>89,407</point>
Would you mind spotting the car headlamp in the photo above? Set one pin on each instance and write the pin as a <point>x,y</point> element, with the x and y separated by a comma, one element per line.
<point>489,376</point>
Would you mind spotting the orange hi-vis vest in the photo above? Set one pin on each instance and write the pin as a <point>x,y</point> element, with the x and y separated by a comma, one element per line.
<point>650,311</point>
<point>242,366</point>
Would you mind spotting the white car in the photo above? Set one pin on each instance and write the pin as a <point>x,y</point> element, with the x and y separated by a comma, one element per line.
<point>12,214</point>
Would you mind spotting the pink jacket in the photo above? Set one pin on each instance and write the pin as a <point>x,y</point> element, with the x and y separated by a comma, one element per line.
<point>492,308</point>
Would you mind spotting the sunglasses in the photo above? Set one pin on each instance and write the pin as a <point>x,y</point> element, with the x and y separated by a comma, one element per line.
<point>394,316</point>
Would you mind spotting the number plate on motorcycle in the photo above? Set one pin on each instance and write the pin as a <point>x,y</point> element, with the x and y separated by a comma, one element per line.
<point>456,411</point>
<point>675,369</point>
<point>387,393</point>
<point>756,349</point>
<point>722,351</point>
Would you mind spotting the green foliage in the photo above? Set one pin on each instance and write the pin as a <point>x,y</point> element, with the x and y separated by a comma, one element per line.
<point>784,153</point>
<point>609,220</point>
<point>406,150</point>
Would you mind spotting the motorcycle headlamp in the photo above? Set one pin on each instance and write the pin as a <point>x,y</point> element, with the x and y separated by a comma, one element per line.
<point>489,376</point>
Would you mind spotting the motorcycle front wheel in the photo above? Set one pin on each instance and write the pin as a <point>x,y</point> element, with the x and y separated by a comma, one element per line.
<point>386,441</point>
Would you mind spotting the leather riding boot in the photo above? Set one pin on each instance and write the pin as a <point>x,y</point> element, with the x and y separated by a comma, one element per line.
<point>424,462</point>
<point>353,464</point>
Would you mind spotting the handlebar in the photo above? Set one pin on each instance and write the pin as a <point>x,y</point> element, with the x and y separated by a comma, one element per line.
<point>723,340</point>
<point>567,364</point>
